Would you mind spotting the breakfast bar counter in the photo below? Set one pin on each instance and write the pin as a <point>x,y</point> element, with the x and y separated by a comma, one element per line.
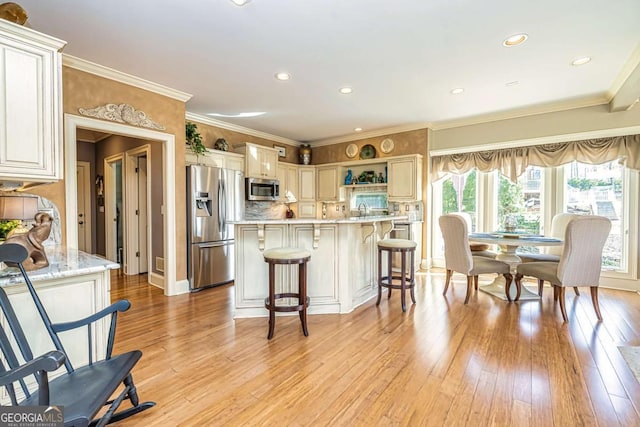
<point>342,271</point>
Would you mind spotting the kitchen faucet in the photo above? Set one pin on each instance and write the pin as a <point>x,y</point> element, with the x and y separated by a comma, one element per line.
<point>363,209</point>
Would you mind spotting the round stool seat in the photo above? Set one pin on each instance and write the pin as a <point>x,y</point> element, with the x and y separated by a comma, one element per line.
<point>397,244</point>
<point>286,254</point>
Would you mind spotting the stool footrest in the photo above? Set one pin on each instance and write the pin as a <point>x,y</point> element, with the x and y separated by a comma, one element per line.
<point>384,282</point>
<point>286,308</point>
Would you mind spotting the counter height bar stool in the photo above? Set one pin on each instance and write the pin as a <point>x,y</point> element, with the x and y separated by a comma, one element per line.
<point>406,278</point>
<point>287,256</point>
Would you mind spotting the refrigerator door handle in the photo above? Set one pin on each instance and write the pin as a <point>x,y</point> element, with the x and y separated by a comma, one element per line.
<point>213,244</point>
<point>220,195</point>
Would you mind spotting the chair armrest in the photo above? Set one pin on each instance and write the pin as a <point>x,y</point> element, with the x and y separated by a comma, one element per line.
<point>122,305</point>
<point>48,362</point>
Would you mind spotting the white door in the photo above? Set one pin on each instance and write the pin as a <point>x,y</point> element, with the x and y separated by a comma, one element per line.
<point>83,176</point>
<point>143,259</point>
<point>112,208</point>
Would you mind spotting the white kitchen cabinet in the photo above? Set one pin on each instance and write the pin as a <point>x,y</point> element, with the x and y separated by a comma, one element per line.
<point>405,178</point>
<point>307,190</point>
<point>287,174</point>
<point>216,158</point>
<point>30,105</point>
<point>260,162</point>
<point>329,184</point>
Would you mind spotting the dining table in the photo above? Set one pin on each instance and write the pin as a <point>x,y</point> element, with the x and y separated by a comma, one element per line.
<point>509,242</point>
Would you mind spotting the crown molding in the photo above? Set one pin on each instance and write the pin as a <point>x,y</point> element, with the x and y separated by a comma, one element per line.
<point>524,112</point>
<point>369,134</point>
<point>236,128</point>
<point>119,76</point>
<point>26,33</point>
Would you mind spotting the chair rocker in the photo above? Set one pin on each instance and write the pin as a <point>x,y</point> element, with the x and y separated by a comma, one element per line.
<point>82,391</point>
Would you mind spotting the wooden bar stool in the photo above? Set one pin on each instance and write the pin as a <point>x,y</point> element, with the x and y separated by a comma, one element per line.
<point>287,256</point>
<point>406,278</point>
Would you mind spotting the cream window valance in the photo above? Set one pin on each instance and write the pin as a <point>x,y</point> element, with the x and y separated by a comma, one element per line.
<point>512,162</point>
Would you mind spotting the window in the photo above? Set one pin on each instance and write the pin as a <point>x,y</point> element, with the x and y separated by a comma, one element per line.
<point>600,190</point>
<point>459,194</point>
<point>522,199</point>
<point>375,201</point>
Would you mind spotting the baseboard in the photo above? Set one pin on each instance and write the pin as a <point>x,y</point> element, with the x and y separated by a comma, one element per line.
<point>156,280</point>
<point>181,287</point>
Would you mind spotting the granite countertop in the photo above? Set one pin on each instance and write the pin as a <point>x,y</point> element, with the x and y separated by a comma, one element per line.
<point>348,220</point>
<point>64,263</point>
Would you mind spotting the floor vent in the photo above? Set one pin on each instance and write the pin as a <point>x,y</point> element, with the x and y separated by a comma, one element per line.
<point>160,264</point>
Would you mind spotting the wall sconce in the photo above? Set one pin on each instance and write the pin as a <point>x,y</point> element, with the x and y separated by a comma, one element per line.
<point>290,199</point>
<point>21,208</point>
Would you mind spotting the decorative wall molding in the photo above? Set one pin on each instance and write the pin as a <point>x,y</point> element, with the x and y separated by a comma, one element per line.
<point>121,113</point>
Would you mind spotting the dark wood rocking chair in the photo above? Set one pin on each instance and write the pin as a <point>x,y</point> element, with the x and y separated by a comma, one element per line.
<point>82,391</point>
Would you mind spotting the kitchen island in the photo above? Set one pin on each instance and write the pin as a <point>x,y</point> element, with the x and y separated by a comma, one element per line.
<point>342,272</point>
<point>73,286</point>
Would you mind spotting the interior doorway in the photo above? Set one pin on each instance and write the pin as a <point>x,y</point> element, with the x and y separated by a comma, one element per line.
<point>83,176</point>
<point>168,280</point>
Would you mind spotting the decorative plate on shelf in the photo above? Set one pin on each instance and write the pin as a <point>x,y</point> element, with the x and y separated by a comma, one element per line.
<point>351,151</point>
<point>367,152</point>
<point>386,146</point>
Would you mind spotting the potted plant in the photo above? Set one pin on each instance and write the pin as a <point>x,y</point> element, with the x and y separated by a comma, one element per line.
<point>194,140</point>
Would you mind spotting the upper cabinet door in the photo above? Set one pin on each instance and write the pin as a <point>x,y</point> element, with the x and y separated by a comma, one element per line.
<point>260,161</point>
<point>405,179</point>
<point>30,105</point>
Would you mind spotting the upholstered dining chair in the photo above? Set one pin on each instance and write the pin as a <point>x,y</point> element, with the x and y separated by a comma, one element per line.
<point>458,255</point>
<point>552,253</point>
<point>477,249</point>
<point>580,262</point>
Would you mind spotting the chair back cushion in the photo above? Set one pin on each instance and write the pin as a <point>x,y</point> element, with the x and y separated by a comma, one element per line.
<point>457,254</point>
<point>558,227</point>
<point>581,259</point>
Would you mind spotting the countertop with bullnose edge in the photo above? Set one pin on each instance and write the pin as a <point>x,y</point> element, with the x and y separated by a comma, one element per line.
<point>64,262</point>
<point>348,220</point>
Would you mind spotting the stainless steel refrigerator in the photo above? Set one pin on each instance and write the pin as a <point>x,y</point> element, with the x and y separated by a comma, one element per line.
<point>214,197</point>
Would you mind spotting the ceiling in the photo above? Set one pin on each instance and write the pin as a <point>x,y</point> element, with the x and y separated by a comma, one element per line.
<point>402,58</point>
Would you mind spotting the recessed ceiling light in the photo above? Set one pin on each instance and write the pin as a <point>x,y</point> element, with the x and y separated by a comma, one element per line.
<point>283,76</point>
<point>240,2</point>
<point>515,40</point>
<point>239,115</point>
<point>346,90</point>
<point>513,83</point>
<point>457,91</point>
<point>358,129</point>
<point>581,61</point>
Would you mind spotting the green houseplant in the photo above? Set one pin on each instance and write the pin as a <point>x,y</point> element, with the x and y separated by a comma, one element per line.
<point>194,140</point>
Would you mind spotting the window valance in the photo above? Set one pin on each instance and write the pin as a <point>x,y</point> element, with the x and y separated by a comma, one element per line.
<point>512,162</point>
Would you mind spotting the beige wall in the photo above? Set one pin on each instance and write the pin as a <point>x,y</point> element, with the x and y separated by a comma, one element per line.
<point>411,142</point>
<point>84,90</point>
<point>568,125</point>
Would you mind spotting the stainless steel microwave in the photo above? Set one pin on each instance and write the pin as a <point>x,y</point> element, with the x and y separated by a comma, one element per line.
<point>262,189</point>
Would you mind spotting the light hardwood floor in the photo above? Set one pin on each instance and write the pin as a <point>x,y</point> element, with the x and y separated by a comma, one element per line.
<point>440,363</point>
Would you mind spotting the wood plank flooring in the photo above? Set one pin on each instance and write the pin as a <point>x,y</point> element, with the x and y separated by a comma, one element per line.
<point>440,363</point>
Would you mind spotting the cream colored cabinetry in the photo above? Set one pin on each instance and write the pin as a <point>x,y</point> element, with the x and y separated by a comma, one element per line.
<point>307,189</point>
<point>216,158</point>
<point>260,162</point>
<point>30,105</point>
<point>287,175</point>
<point>328,184</point>
<point>405,178</point>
